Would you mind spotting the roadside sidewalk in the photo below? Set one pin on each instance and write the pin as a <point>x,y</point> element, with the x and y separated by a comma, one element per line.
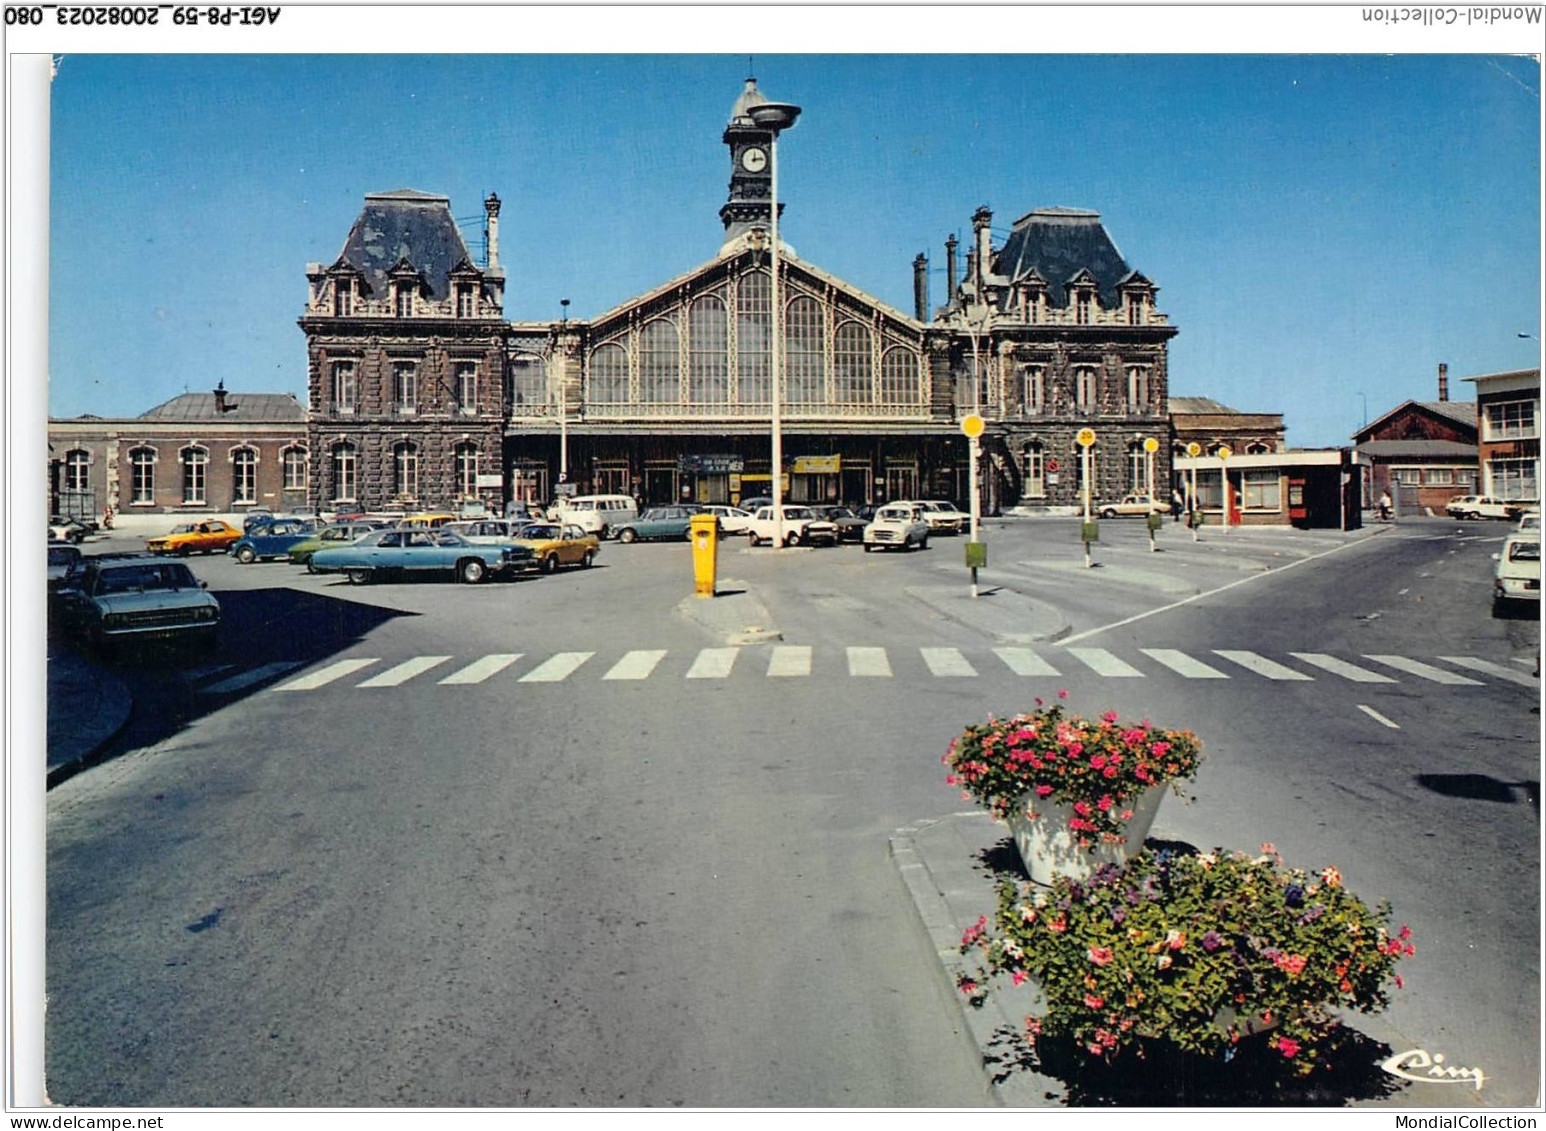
<point>87,707</point>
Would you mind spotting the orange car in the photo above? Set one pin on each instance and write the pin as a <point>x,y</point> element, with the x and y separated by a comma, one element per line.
<point>210,536</point>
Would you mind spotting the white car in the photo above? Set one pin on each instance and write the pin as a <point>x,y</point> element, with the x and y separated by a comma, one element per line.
<point>942,517</point>
<point>1482,506</point>
<point>732,520</point>
<point>1530,520</point>
<point>799,524</point>
<point>1130,505</point>
<point>1517,576</point>
<point>897,526</point>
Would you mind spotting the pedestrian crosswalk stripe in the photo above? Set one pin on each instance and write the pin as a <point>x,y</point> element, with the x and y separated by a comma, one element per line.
<point>1182,664</point>
<point>947,662</point>
<point>868,662</point>
<point>1341,667</point>
<point>636,665</point>
<point>1023,661</point>
<point>1426,671</point>
<point>248,678</point>
<point>713,663</point>
<point>1377,717</point>
<point>1261,665</point>
<point>403,672</point>
<point>327,675</point>
<point>1102,662</point>
<point>1524,679</point>
<point>559,667</point>
<point>790,660</point>
<point>480,670</point>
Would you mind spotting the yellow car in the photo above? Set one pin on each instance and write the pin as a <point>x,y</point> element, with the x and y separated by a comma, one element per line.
<point>557,544</point>
<point>211,536</point>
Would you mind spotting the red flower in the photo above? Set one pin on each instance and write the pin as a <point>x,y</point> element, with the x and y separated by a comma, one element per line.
<point>1288,1046</point>
<point>1100,955</point>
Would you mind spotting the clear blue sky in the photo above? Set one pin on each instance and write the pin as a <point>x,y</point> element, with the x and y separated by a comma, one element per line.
<point>1320,226</point>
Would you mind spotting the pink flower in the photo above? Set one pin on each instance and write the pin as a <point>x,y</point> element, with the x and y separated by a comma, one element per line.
<point>1062,695</point>
<point>1082,808</point>
<point>1098,760</point>
<point>1332,877</point>
<point>1400,985</point>
<point>1017,977</point>
<point>1288,1046</point>
<point>1109,716</point>
<point>1104,803</point>
<point>1043,790</point>
<point>1100,955</point>
<point>1175,940</point>
<point>1094,1002</point>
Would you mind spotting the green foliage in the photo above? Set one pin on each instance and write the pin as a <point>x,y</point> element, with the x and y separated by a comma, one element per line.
<point>1198,950</point>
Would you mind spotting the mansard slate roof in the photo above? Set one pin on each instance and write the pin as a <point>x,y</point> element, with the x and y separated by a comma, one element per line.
<point>411,225</point>
<point>239,408</point>
<point>1058,242</point>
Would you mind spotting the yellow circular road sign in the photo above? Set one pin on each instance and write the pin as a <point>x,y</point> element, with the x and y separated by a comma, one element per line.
<point>1086,437</point>
<point>972,425</point>
<point>1224,453</point>
<point>1194,449</point>
<point>1151,445</point>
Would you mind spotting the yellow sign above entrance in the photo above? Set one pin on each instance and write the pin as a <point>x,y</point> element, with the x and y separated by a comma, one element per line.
<point>817,465</point>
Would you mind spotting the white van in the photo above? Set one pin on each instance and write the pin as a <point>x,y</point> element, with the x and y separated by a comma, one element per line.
<point>596,514</point>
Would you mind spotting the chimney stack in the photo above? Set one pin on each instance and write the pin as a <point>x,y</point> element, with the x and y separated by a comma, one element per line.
<point>950,269</point>
<point>220,398</point>
<point>980,221</point>
<point>921,287</point>
<point>1443,382</point>
<point>491,228</point>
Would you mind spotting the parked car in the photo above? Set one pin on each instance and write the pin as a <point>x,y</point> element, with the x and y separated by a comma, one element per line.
<point>897,526</point>
<point>942,517</point>
<point>395,552</point>
<point>1517,575</point>
<point>799,524</point>
<point>755,503</point>
<point>336,533</point>
<point>64,558</point>
<point>207,537</point>
<point>850,527</point>
<point>525,512</point>
<point>114,597</point>
<point>557,544</point>
<point>1484,506</point>
<point>1130,506</point>
<point>257,516</point>
<point>1530,519</point>
<point>271,539</point>
<point>67,530</point>
<point>426,520</point>
<point>487,531</point>
<point>732,520</point>
<point>656,524</point>
<point>601,515</point>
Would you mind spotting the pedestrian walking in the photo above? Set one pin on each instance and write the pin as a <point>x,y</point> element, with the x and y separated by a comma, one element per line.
<point>1385,505</point>
<point>1177,505</point>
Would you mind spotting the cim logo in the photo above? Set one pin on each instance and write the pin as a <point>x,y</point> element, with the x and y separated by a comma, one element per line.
<point>1421,1067</point>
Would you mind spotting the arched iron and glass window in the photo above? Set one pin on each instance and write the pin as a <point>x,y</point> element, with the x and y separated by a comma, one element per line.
<point>804,353</point>
<point>609,375</point>
<point>405,470</point>
<point>708,361</point>
<point>142,475</point>
<point>244,476</point>
<point>899,384</point>
<point>754,316</point>
<point>343,461</point>
<point>195,465</point>
<point>660,363</point>
<point>528,384</point>
<point>853,364</point>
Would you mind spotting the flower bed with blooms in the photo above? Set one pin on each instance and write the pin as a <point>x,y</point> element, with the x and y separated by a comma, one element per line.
<point>1096,766</point>
<point>1199,950</point>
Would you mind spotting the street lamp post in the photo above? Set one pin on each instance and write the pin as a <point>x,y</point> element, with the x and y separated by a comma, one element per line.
<point>775,117</point>
<point>563,405</point>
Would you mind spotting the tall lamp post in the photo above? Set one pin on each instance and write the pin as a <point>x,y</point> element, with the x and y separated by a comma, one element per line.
<point>563,403</point>
<point>775,117</point>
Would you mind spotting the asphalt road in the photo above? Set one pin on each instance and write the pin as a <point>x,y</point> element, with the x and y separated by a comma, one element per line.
<point>645,881</point>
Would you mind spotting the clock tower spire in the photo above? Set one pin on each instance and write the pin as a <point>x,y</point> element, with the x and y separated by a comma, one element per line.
<point>751,189</point>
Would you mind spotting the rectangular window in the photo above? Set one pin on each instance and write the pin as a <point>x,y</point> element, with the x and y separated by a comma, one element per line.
<point>1509,420</point>
<point>343,298</point>
<point>1137,468</point>
<point>1084,388</point>
<point>244,472</point>
<point>467,386</point>
<point>345,470</point>
<point>1082,308</point>
<point>404,301</point>
<point>343,386</point>
<point>1438,477</point>
<point>142,486</point>
<point>466,305</point>
<point>77,471</point>
<point>295,469</point>
<point>1033,392</point>
<point>1408,476</point>
<point>1035,486</point>
<point>194,463</point>
<point>405,386</point>
<point>1465,477</point>
<point>1135,310</point>
<point>1210,490</point>
<point>1259,489</point>
<point>1137,389</point>
<point>1512,479</point>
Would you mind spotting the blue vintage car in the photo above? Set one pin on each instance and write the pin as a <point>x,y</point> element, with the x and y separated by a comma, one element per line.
<point>271,539</point>
<point>398,552</point>
<point>669,522</point>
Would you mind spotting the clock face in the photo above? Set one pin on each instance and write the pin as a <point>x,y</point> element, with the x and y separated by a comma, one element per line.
<point>754,160</point>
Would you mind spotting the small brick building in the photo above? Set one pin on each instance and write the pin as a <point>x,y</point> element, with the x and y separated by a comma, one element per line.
<point>1422,452</point>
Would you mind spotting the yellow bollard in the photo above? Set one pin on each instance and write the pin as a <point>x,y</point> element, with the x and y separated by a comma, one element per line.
<point>703,532</point>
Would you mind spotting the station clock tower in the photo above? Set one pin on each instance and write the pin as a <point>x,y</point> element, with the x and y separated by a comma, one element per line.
<point>751,174</point>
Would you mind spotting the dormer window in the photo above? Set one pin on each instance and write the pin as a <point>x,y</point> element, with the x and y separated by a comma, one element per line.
<point>466,300</point>
<point>343,298</point>
<point>1082,308</point>
<point>1135,308</point>
<point>404,300</point>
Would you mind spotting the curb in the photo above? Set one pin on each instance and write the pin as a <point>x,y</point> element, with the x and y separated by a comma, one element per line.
<point>110,708</point>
